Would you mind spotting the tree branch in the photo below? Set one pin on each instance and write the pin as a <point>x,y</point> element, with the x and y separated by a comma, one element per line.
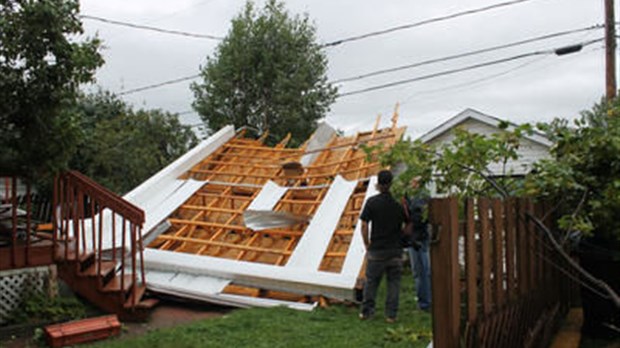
<point>613,296</point>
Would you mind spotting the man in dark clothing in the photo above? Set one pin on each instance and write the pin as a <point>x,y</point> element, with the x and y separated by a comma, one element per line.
<point>383,247</point>
<point>419,251</point>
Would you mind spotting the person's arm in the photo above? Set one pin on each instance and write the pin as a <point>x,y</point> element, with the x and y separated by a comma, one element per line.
<point>365,217</point>
<point>365,234</point>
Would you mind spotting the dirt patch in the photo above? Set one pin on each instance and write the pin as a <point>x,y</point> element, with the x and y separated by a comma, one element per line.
<point>171,313</point>
<point>168,313</point>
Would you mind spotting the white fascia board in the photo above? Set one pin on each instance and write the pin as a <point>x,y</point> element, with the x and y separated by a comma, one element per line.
<point>357,251</point>
<point>268,196</point>
<point>169,283</point>
<point>282,278</point>
<point>447,125</point>
<point>184,190</point>
<point>313,244</point>
<point>143,194</point>
<point>479,116</point>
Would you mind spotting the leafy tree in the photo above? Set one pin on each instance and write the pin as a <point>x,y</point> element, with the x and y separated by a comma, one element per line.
<point>268,73</point>
<point>584,173</point>
<point>42,64</point>
<point>121,147</point>
<point>462,166</point>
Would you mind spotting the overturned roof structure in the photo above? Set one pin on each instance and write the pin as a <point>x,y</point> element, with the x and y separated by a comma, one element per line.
<point>240,223</point>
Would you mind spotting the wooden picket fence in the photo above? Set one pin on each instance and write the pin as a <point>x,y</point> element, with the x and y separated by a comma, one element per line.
<point>496,279</point>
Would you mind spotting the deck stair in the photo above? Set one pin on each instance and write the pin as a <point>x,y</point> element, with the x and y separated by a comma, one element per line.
<point>113,280</point>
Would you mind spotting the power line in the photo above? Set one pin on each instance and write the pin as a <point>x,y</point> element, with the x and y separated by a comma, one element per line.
<point>186,112</point>
<point>403,67</point>
<point>470,53</point>
<point>157,85</point>
<point>477,82</point>
<point>471,83</point>
<point>424,22</point>
<point>146,27</point>
<point>470,67</point>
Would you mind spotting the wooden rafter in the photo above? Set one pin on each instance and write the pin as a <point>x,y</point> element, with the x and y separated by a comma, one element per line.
<point>211,221</point>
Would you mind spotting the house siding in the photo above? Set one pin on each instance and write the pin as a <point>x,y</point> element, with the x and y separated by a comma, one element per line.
<point>529,151</point>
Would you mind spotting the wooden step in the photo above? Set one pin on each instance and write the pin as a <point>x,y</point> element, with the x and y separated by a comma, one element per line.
<point>114,285</point>
<point>148,303</point>
<point>133,301</point>
<point>106,268</point>
<point>70,256</point>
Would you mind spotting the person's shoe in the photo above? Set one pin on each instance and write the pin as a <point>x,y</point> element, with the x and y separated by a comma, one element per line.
<point>425,309</point>
<point>363,316</point>
<point>390,320</point>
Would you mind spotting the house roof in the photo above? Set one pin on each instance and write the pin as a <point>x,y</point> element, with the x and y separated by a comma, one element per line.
<point>484,118</point>
<point>201,210</point>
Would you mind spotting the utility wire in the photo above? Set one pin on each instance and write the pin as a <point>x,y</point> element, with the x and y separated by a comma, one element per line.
<point>477,82</point>
<point>470,53</point>
<point>424,22</point>
<point>562,50</point>
<point>191,77</point>
<point>146,27</point>
<point>161,84</point>
<point>471,83</point>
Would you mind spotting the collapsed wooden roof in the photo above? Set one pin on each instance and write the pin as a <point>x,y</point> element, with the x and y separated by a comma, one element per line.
<point>322,184</point>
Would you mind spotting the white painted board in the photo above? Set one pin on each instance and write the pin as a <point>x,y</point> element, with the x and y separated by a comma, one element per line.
<point>312,246</point>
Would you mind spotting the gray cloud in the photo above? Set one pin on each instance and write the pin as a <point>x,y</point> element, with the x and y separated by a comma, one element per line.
<point>528,90</point>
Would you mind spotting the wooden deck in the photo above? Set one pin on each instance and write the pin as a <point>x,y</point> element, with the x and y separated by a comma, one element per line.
<point>38,253</point>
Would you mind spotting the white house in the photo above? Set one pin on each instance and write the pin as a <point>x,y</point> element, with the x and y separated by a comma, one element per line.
<point>532,148</point>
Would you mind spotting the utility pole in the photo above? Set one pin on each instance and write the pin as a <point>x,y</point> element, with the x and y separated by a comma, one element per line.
<point>610,50</point>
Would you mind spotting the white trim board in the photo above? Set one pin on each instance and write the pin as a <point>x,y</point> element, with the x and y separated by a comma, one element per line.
<point>312,246</point>
<point>144,193</point>
<point>272,277</point>
<point>357,251</point>
<point>209,289</point>
<point>476,115</point>
<point>268,196</point>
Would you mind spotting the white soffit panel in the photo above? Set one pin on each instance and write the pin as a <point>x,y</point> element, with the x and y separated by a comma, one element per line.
<point>196,283</point>
<point>313,244</point>
<point>322,135</point>
<point>355,255</point>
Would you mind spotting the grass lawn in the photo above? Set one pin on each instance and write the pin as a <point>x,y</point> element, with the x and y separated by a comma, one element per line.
<point>335,326</point>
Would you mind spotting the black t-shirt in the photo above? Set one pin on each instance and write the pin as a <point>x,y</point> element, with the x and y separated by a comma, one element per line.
<point>386,216</point>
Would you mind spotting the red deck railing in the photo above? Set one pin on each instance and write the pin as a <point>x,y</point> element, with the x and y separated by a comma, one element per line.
<point>19,247</point>
<point>86,215</point>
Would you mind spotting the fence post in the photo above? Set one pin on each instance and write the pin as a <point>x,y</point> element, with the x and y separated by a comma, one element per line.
<point>443,214</point>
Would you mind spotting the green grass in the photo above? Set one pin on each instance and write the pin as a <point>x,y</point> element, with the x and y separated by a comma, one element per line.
<point>335,326</point>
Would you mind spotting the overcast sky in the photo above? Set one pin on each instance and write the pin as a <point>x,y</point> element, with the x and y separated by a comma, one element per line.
<point>532,89</point>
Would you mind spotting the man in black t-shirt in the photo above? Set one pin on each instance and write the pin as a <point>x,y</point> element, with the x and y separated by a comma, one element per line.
<point>383,247</point>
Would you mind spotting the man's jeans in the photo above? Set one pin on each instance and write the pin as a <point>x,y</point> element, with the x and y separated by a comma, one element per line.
<point>393,268</point>
<point>421,267</point>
